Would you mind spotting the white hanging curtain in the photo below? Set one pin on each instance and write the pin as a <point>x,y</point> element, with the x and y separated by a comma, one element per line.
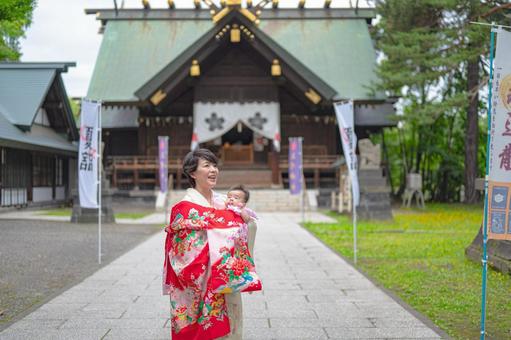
<point>212,120</point>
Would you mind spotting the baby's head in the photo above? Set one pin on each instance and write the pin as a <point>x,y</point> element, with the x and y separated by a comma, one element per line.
<point>238,196</point>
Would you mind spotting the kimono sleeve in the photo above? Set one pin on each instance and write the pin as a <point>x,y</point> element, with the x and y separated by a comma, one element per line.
<point>183,217</point>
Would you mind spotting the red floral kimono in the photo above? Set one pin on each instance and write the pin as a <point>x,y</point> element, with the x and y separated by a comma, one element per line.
<point>196,312</point>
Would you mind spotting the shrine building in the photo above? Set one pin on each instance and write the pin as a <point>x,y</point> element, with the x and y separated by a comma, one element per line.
<point>38,135</point>
<point>239,79</point>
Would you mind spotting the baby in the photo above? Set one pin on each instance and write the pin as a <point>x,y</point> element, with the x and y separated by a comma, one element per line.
<point>237,198</point>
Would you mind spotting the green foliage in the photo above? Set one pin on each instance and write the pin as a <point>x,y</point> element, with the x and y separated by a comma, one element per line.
<point>426,49</point>
<point>15,17</point>
<point>420,256</point>
<point>75,108</point>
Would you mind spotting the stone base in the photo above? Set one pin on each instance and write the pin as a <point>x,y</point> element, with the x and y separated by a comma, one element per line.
<point>375,202</point>
<point>499,253</point>
<point>374,206</point>
<point>86,215</point>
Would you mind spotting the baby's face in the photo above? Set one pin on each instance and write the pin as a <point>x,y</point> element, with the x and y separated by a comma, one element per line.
<point>236,198</point>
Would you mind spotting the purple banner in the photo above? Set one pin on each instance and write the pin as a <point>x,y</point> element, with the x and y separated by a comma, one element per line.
<point>295,165</point>
<point>163,160</point>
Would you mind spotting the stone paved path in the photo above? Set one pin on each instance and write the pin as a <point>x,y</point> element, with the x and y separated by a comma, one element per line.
<point>309,293</point>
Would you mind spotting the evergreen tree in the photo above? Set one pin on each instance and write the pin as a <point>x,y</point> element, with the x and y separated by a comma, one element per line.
<point>15,17</point>
<point>432,59</point>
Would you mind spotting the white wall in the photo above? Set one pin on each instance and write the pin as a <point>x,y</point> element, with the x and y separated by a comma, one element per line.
<point>13,196</point>
<point>42,194</point>
<point>60,193</point>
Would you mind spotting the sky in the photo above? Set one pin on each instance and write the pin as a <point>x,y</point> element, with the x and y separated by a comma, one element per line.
<point>61,31</point>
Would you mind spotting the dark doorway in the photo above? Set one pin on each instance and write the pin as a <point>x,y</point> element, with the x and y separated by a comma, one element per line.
<point>238,135</point>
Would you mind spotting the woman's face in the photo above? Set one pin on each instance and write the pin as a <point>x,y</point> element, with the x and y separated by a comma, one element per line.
<point>206,174</point>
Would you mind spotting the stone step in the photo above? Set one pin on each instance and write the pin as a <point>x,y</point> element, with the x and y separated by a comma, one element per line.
<point>250,178</point>
<point>266,200</point>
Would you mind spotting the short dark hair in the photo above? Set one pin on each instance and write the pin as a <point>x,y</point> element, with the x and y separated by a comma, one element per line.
<point>191,161</point>
<point>241,187</point>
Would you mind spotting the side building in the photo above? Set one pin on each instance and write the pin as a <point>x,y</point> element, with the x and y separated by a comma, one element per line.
<point>38,135</point>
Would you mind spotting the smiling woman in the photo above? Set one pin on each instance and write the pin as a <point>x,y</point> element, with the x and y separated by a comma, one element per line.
<point>196,311</point>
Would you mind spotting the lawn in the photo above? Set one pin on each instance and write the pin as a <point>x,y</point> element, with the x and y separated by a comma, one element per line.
<point>420,256</point>
<point>67,212</point>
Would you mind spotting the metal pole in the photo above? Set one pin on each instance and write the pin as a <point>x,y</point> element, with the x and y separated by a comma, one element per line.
<point>99,197</point>
<point>302,198</point>
<point>485,223</point>
<point>354,231</point>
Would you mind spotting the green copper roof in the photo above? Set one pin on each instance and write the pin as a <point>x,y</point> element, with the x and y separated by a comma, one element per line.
<point>22,93</point>
<point>38,138</point>
<point>338,51</point>
<point>132,52</point>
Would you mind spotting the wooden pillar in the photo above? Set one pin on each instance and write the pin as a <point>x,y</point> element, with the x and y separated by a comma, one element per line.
<point>316,178</point>
<point>179,174</point>
<point>135,174</point>
<point>275,170</point>
<point>114,175</point>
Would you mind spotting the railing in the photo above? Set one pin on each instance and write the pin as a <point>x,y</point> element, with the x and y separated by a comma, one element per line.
<point>137,170</point>
<point>314,163</point>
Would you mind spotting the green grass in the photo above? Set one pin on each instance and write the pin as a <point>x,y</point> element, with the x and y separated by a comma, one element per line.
<point>420,256</point>
<point>67,212</point>
<point>57,212</point>
<point>132,215</point>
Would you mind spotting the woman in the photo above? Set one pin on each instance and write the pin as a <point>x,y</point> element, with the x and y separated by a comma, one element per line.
<point>190,319</point>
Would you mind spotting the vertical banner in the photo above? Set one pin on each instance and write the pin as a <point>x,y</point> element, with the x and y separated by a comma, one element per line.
<point>88,154</point>
<point>499,176</point>
<point>163,161</point>
<point>345,118</point>
<point>295,165</point>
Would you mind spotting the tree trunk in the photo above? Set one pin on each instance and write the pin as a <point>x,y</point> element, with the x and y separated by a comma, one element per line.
<point>472,132</point>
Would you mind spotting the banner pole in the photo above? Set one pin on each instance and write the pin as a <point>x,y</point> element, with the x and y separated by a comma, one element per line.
<point>485,223</point>
<point>354,231</point>
<point>99,193</point>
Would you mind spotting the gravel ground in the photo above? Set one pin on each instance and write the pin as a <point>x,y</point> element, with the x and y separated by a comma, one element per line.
<point>40,259</point>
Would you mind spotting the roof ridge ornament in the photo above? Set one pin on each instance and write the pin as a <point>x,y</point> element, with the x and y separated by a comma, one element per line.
<point>251,13</point>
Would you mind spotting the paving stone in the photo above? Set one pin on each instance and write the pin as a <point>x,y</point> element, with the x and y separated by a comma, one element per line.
<point>38,324</point>
<point>290,323</point>
<point>375,333</point>
<point>141,333</point>
<point>309,293</point>
<point>51,334</point>
<point>77,323</point>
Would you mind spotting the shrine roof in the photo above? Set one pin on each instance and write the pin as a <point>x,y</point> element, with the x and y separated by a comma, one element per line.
<point>337,48</point>
<point>24,88</point>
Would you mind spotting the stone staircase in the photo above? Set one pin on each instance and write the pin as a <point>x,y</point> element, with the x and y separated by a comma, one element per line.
<point>250,178</point>
<point>261,200</point>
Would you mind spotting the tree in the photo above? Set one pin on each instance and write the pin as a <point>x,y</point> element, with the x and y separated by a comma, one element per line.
<point>15,17</point>
<point>432,60</point>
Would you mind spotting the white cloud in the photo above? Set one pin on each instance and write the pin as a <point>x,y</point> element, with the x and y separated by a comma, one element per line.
<point>62,32</point>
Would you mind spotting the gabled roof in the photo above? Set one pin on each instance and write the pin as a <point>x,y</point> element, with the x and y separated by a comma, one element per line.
<point>25,88</point>
<point>22,93</point>
<point>132,52</point>
<point>39,138</point>
<point>336,48</point>
<point>202,48</point>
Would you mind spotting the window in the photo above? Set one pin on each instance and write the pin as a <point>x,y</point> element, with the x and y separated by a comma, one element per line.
<point>59,172</point>
<point>42,170</point>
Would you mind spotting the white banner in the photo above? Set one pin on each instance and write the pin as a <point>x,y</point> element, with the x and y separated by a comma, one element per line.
<point>88,155</point>
<point>212,120</point>
<point>500,147</point>
<point>345,118</point>
<point>499,172</point>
